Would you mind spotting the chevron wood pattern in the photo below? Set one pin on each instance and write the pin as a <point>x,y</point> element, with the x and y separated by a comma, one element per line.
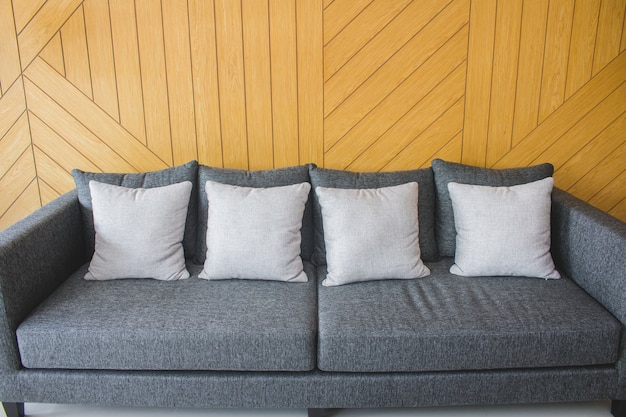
<point>369,85</point>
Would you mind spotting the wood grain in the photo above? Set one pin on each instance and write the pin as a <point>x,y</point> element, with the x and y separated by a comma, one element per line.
<point>368,85</point>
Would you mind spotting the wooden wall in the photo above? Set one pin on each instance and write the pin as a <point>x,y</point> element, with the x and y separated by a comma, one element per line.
<point>121,85</point>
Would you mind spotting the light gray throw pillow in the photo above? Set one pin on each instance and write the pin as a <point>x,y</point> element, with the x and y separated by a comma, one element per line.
<point>371,234</point>
<point>139,231</point>
<point>503,231</point>
<point>255,233</point>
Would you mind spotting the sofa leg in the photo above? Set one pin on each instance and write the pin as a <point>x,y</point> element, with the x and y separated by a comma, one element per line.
<point>321,412</point>
<point>618,408</point>
<point>13,409</point>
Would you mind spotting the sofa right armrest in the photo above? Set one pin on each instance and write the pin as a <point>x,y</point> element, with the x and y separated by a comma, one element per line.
<point>36,255</point>
<point>590,247</point>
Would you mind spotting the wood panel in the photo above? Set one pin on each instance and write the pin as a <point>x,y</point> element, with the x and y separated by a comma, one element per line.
<point>367,85</point>
<point>206,86</point>
<point>10,62</point>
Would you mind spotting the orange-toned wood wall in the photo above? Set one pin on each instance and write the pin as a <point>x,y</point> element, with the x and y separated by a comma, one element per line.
<point>122,85</point>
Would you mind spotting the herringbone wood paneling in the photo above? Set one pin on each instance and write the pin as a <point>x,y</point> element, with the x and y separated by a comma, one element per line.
<point>510,83</point>
<point>117,85</point>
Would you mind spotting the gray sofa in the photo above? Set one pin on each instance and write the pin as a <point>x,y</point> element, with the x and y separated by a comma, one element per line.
<point>438,340</point>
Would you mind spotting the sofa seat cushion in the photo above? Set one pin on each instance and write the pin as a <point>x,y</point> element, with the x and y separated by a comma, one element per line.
<point>192,324</point>
<point>445,322</point>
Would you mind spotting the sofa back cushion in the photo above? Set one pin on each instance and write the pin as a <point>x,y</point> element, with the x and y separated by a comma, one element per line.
<point>330,178</point>
<point>168,176</point>
<point>256,179</point>
<point>446,172</point>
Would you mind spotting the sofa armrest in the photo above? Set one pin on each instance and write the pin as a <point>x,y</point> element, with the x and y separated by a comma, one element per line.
<point>36,255</point>
<point>590,246</point>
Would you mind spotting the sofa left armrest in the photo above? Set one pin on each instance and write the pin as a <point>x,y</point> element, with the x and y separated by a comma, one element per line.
<point>37,254</point>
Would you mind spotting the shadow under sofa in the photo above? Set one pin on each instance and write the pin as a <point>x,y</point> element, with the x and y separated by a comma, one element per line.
<point>439,340</point>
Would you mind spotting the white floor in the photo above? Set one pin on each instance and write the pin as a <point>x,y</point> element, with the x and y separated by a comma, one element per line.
<point>587,409</point>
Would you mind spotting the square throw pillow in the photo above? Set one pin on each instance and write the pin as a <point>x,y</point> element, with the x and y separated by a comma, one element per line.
<point>371,234</point>
<point>173,175</point>
<point>139,232</point>
<point>503,231</point>
<point>254,233</point>
<point>331,178</point>
<point>269,178</point>
<point>446,172</point>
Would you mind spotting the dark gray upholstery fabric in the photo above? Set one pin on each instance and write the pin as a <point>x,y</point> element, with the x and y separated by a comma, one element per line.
<point>36,255</point>
<point>354,180</point>
<point>255,179</point>
<point>190,324</point>
<point>445,322</point>
<point>180,173</point>
<point>446,172</point>
<point>315,389</point>
<point>577,227</point>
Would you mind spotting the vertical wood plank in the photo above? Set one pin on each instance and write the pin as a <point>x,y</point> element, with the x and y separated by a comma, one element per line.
<point>504,79</point>
<point>75,52</point>
<point>284,82</point>
<point>206,97</point>
<point>478,90</point>
<point>99,40</point>
<point>53,55</point>
<point>609,37</point>
<point>310,81</point>
<point>231,83</point>
<point>10,62</point>
<point>154,79</point>
<point>623,45</point>
<point>558,36</point>
<point>126,53</point>
<point>582,46</point>
<point>528,89</point>
<point>179,80</point>
<point>256,45</point>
